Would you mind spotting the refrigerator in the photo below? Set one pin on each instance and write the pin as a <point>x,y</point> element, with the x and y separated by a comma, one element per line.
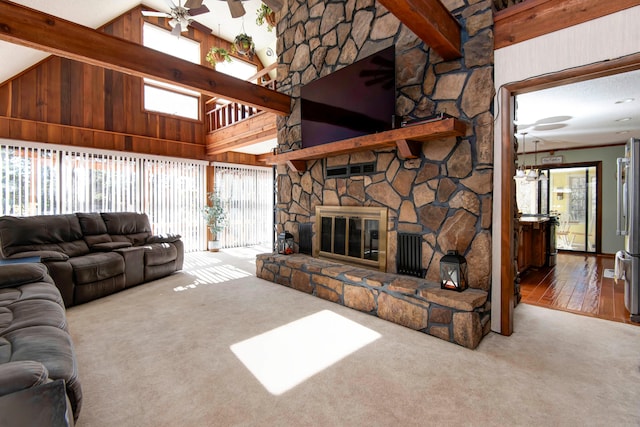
<point>628,225</point>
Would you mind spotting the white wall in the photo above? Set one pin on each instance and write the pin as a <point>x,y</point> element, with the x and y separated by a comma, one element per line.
<point>605,38</point>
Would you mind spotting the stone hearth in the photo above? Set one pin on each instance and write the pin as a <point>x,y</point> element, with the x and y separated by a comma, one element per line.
<point>458,317</point>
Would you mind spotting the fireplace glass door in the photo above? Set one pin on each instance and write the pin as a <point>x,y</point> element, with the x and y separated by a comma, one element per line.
<point>352,234</point>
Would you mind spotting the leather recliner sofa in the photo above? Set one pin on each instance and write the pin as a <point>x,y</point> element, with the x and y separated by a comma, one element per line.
<point>90,255</point>
<point>35,345</point>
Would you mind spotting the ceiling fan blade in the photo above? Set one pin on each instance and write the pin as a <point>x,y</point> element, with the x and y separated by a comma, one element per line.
<point>158,14</point>
<point>170,3</point>
<point>193,4</point>
<point>176,30</point>
<point>201,27</point>
<point>198,10</point>
<point>274,5</point>
<point>236,8</point>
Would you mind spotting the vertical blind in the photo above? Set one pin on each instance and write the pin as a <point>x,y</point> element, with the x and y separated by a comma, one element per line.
<point>39,180</point>
<point>247,192</point>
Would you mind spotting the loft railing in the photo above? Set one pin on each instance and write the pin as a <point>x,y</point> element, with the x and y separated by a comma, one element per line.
<point>228,114</point>
<point>503,4</point>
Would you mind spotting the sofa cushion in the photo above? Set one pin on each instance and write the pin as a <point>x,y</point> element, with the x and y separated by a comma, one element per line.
<point>16,376</point>
<point>97,266</point>
<point>60,233</point>
<point>127,226</point>
<point>44,256</point>
<point>93,228</point>
<point>159,253</point>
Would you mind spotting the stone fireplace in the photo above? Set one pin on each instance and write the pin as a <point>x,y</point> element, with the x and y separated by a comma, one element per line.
<point>444,195</point>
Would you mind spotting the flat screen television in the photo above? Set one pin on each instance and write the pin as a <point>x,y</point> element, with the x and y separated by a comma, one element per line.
<point>359,99</point>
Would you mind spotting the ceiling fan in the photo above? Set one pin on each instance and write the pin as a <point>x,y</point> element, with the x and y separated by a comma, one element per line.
<point>181,15</point>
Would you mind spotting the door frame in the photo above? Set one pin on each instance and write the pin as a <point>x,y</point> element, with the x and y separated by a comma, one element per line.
<point>506,95</point>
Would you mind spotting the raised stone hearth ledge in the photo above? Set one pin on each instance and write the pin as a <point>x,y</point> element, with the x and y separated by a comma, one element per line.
<point>458,317</point>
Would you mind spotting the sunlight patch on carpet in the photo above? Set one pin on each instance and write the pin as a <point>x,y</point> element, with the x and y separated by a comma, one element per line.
<point>213,275</point>
<point>288,355</point>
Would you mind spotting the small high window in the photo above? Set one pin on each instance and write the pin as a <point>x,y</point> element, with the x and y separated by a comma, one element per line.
<point>164,97</point>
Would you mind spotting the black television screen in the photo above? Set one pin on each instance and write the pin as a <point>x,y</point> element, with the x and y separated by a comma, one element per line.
<point>356,100</point>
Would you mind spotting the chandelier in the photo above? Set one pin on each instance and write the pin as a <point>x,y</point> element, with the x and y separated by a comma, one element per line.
<point>529,174</point>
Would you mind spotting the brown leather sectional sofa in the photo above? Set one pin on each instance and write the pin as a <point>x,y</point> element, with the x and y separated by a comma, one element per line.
<point>90,255</point>
<point>36,350</point>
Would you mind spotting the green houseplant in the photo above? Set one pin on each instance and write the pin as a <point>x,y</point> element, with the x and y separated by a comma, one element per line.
<point>243,44</point>
<point>265,14</point>
<point>215,215</point>
<point>217,54</point>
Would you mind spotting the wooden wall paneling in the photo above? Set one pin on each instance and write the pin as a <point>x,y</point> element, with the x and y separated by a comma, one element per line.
<point>27,91</point>
<point>65,92</point>
<point>41,95</point>
<point>5,98</point>
<point>77,95</point>
<point>89,96</point>
<point>54,109</point>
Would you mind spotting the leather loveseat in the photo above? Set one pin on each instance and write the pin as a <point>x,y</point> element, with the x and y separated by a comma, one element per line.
<point>90,255</point>
<point>35,346</point>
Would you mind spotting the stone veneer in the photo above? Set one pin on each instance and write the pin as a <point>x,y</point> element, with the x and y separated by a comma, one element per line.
<point>445,195</point>
<point>458,317</point>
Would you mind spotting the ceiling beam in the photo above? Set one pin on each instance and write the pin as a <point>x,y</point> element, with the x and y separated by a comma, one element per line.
<point>432,22</point>
<point>534,18</point>
<point>258,128</point>
<point>32,28</point>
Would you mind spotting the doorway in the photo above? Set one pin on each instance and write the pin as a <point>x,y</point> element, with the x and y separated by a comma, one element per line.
<point>505,293</point>
<point>571,194</point>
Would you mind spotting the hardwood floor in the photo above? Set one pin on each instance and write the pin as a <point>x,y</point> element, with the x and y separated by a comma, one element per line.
<point>577,284</point>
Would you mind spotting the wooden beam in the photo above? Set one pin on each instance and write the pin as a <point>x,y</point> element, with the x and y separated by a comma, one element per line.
<point>534,18</point>
<point>297,165</point>
<point>419,132</point>
<point>257,128</point>
<point>432,22</point>
<point>32,28</point>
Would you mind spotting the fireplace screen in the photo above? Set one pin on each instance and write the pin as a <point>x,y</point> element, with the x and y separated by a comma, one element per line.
<point>352,234</point>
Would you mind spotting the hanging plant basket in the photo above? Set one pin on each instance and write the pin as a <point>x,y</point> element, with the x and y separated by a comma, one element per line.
<point>216,55</point>
<point>265,14</point>
<point>243,45</point>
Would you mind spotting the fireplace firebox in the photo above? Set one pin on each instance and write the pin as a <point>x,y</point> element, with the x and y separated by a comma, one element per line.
<point>352,234</point>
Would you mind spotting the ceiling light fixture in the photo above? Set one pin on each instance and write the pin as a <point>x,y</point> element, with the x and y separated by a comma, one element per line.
<point>521,170</point>
<point>624,119</point>
<point>624,101</point>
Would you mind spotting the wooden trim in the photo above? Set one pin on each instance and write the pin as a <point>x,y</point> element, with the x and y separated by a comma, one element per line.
<point>507,274</point>
<point>535,18</point>
<point>432,22</point>
<point>236,158</point>
<point>53,133</point>
<point>31,28</point>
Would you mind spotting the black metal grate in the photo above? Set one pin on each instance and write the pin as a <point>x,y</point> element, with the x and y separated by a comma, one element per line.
<point>409,257</point>
<point>305,236</point>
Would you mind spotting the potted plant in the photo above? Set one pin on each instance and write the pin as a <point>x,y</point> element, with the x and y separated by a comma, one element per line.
<point>243,44</point>
<point>265,14</point>
<point>215,215</point>
<point>217,54</point>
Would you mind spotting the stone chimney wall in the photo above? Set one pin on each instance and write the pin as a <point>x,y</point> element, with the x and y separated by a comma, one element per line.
<point>445,195</point>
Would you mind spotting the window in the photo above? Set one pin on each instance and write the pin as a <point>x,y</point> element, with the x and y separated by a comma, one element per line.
<point>164,97</point>
<point>39,179</point>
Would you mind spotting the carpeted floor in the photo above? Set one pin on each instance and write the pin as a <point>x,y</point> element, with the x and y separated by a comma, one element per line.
<point>215,346</point>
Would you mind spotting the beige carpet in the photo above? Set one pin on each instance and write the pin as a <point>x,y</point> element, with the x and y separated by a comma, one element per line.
<point>178,352</point>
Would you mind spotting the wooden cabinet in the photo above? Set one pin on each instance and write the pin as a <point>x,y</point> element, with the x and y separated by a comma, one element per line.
<point>532,243</point>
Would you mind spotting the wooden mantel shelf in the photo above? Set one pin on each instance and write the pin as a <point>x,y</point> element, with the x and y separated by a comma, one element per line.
<point>408,141</point>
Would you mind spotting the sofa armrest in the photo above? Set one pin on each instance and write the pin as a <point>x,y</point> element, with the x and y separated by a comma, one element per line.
<point>43,255</point>
<point>163,238</point>
<point>16,376</point>
<point>133,265</point>
<point>13,275</point>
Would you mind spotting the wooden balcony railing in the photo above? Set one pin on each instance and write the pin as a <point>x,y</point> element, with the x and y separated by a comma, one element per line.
<point>228,114</point>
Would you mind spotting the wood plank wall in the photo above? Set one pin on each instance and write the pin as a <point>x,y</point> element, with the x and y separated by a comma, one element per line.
<point>67,102</point>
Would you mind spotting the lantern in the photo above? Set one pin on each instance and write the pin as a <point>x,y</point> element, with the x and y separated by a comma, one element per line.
<point>453,272</point>
<point>285,243</point>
